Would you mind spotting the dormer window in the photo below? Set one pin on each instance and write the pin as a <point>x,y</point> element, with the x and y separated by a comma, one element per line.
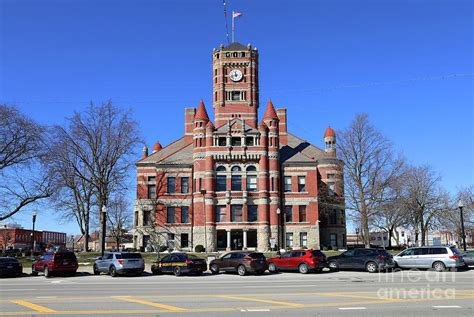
<point>236,141</point>
<point>222,141</point>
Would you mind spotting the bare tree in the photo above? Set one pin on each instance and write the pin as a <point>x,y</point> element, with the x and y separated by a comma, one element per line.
<point>369,168</point>
<point>74,198</point>
<point>23,178</point>
<point>119,218</point>
<point>425,200</point>
<point>102,140</point>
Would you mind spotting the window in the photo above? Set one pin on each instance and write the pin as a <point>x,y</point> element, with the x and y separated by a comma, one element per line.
<point>236,141</point>
<point>184,214</point>
<point>301,184</point>
<point>331,187</point>
<point>170,214</point>
<point>273,184</point>
<point>287,183</point>
<point>151,191</point>
<point>221,213</point>
<point>303,239</point>
<point>222,141</point>
<point>235,95</point>
<point>289,239</point>
<point>333,239</point>
<point>331,176</point>
<point>302,213</point>
<point>147,217</point>
<point>249,141</point>
<point>252,213</point>
<point>288,213</point>
<point>252,183</point>
<point>236,182</point>
<point>439,251</point>
<point>236,213</point>
<point>251,168</point>
<point>235,169</point>
<point>220,169</point>
<point>333,217</point>
<point>184,240</point>
<point>221,185</point>
<point>171,185</point>
<point>170,236</point>
<point>185,184</point>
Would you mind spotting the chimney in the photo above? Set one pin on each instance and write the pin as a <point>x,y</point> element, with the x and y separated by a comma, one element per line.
<point>188,120</point>
<point>281,113</point>
<point>144,152</point>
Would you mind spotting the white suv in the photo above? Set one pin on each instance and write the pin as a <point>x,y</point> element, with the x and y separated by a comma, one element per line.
<point>435,257</point>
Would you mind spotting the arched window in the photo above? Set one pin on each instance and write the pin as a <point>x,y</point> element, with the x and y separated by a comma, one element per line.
<point>236,180</point>
<point>236,169</point>
<point>251,168</point>
<point>221,179</point>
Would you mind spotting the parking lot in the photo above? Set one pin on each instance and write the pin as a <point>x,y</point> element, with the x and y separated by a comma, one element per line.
<point>340,293</point>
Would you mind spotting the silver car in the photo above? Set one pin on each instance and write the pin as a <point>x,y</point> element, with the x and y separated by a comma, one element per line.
<point>117,263</point>
<point>430,257</point>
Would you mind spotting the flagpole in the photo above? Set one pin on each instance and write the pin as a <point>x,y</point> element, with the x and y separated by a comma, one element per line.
<point>232,26</point>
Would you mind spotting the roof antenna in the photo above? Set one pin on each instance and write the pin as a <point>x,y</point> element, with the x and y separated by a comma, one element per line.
<point>226,25</point>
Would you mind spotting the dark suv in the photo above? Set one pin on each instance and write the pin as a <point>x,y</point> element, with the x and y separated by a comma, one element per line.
<point>371,260</point>
<point>242,262</point>
<point>303,261</point>
<point>60,262</point>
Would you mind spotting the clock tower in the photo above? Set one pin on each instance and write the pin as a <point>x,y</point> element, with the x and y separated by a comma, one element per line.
<point>235,82</point>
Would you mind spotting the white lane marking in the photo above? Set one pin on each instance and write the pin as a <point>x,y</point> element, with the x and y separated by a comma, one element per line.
<point>57,282</point>
<point>352,308</point>
<point>446,306</point>
<point>45,297</point>
<point>18,290</point>
<point>255,310</point>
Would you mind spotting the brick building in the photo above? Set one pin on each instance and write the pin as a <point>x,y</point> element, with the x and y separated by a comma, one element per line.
<point>18,238</point>
<point>237,182</point>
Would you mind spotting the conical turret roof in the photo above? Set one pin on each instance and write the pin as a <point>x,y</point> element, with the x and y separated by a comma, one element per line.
<point>201,113</point>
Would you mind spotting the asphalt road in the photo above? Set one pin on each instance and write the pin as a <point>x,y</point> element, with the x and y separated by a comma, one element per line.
<point>286,294</point>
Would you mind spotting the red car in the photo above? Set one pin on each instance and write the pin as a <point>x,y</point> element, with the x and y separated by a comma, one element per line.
<point>303,261</point>
<point>60,262</point>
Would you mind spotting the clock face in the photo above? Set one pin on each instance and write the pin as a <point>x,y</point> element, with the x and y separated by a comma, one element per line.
<point>235,75</point>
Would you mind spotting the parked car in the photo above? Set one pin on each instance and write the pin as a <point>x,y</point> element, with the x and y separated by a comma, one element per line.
<point>59,262</point>
<point>436,257</point>
<point>119,263</point>
<point>242,262</point>
<point>371,260</point>
<point>10,267</point>
<point>468,258</point>
<point>179,264</point>
<point>303,261</point>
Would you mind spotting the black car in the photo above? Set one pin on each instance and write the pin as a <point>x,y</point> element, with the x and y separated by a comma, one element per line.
<point>10,267</point>
<point>179,264</point>
<point>370,260</point>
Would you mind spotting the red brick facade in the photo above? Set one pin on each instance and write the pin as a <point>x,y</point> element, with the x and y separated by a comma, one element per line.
<point>240,183</point>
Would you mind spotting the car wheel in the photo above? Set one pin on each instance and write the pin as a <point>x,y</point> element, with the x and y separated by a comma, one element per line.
<point>333,266</point>
<point>303,268</point>
<point>113,271</point>
<point>272,268</point>
<point>96,270</point>
<point>177,271</point>
<point>33,272</point>
<point>439,266</point>
<point>47,273</point>
<point>241,270</point>
<point>214,269</point>
<point>371,267</point>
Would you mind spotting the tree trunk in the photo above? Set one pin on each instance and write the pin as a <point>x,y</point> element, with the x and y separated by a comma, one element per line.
<point>423,233</point>
<point>390,234</point>
<point>365,227</point>
<point>86,236</point>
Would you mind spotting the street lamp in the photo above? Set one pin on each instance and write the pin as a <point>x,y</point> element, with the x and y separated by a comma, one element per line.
<point>278,228</point>
<point>461,205</point>
<point>203,193</point>
<point>357,237</point>
<point>33,235</point>
<point>104,217</point>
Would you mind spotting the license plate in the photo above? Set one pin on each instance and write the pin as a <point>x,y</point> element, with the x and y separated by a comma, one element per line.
<point>10,267</point>
<point>65,262</point>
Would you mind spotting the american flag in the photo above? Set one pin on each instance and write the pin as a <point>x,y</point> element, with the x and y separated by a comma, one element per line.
<point>236,14</point>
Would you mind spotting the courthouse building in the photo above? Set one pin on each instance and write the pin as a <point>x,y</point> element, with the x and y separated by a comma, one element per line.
<point>237,182</point>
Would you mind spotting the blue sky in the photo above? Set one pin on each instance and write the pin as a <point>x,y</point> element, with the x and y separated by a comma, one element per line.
<point>408,64</point>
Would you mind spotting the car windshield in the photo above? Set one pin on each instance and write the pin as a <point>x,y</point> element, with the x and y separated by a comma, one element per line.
<point>64,256</point>
<point>256,255</point>
<point>455,251</point>
<point>128,256</point>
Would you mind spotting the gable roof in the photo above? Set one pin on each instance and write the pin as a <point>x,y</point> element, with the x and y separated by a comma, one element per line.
<point>297,150</point>
<point>235,124</point>
<point>178,152</point>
